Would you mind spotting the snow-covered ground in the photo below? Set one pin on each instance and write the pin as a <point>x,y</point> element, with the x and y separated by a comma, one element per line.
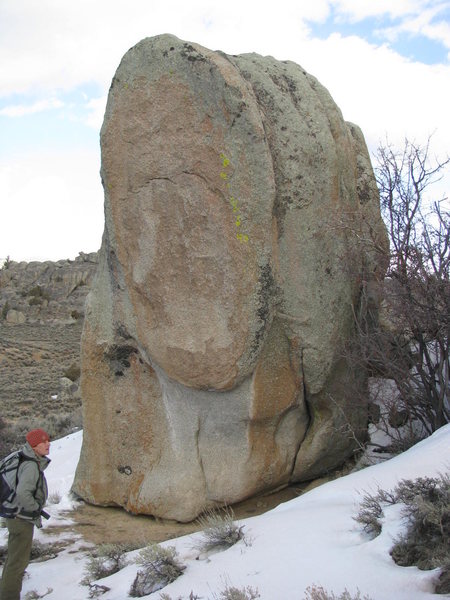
<point>310,540</point>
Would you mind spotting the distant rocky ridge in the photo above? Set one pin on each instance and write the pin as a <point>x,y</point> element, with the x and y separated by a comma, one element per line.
<point>41,319</point>
<point>42,292</point>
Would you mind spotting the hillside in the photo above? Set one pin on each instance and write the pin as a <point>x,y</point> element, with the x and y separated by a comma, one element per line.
<point>41,318</point>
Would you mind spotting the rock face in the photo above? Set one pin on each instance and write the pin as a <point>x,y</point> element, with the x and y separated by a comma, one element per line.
<point>236,199</point>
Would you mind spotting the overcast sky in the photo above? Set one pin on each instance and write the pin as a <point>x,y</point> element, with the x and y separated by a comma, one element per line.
<point>385,62</point>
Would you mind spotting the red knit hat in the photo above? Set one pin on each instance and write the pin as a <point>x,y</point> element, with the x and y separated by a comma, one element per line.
<point>36,436</point>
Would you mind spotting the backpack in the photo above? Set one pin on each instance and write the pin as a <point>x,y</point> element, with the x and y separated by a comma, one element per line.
<point>9,478</point>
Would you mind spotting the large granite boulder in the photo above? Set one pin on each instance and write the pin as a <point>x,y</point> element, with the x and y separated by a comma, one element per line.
<point>238,211</point>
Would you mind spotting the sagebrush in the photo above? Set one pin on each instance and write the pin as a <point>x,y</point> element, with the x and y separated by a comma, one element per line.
<point>57,426</point>
<point>234,593</point>
<point>34,595</point>
<point>41,552</point>
<point>229,593</point>
<point>317,592</point>
<point>105,560</point>
<point>160,565</point>
<point>425,543</point>
<point>219,530</point>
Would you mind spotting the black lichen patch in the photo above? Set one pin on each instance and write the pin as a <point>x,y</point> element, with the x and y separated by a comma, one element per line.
<point>192,54</point>
<point>268,295</point>
<point>122,332</point>
<point>118,357</point>
<point>121,353</point>
<point>365,193</point>
<point>239,110</point>
<point>125,470</point>
<point>267,291</point>
<point>280,207</point>
<point>291,85</point>
<point>114,267</point>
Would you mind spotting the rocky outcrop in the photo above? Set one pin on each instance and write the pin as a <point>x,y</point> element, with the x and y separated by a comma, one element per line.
<point>14,317</point>
<point>238,207</point>
<point>46,292</point>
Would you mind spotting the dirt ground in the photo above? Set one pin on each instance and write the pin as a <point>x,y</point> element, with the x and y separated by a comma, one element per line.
<point>33,358</point>
<point>99,525</point>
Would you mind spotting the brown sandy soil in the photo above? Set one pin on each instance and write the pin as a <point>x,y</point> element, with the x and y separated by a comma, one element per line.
<point>100,525</point>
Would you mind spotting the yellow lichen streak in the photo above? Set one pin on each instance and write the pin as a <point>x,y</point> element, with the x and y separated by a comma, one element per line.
<point>234,202</point>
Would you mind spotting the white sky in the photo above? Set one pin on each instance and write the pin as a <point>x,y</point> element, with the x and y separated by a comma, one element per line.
<point>385,63</point>
<point>311,540</point>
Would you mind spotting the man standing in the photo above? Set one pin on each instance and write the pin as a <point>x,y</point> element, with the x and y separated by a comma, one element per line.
<point>31,495</point>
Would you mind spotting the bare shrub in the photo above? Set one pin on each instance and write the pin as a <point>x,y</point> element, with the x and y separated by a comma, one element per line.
<point>96,590</point>
<point>426,541</point>
<point>34,595</point>
<point>229,593</point>
<point>105,560</point>
<point>316,592</point>
<point>4,312</point>
<point>41,552</point>
<point>57,426</point>
<point>234,593</point>
<point>419,274</point>
<point>160,567</point>
<point>55,498</point>
<point>443,583</point>
<point>219,530</point>
<point>191,596</point>
<point>60,424</point>
<point>4,450</point>
<point>407,342</point>
<point>14,433</point>
<point>426,503</point>
<point>6,263</point>
<point>369,514</point>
